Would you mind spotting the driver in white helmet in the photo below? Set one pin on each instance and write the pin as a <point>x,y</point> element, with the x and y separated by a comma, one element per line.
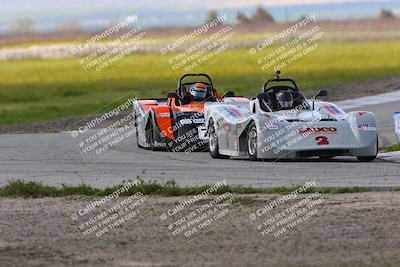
<point>198,92</point>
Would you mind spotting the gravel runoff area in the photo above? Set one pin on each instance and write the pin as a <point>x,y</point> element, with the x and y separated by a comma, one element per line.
<point>359,229</point>
<point>339,92</point>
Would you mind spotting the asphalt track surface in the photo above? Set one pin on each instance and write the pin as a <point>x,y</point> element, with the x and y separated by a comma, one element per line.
<point>54,159</point>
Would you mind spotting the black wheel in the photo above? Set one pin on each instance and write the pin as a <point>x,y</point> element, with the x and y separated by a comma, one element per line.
<point>137,139</point>
<point>150,133</point>
<point>366,159</point>
<point>326,157</point>
<point>252,141</point>
<point>370,158</point>
<point>213,143</point>
<point>151,136</point>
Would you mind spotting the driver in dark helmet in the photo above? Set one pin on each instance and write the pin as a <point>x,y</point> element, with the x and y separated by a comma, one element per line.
<point>284,99</point>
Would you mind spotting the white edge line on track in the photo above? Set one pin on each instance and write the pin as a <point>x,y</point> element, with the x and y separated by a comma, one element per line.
<point>390,156</point>
<point>369,100</point>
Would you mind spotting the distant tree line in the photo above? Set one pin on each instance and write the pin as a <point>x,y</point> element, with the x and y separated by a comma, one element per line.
<point>386,14</point>
<point>262,15</point>
<point>23,25</point>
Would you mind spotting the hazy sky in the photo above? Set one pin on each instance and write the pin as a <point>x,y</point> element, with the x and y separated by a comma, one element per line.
<point>168,4</point>
<point>99,13</point>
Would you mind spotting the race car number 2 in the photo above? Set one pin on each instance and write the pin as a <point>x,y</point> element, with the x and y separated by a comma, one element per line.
<point>322,140</point>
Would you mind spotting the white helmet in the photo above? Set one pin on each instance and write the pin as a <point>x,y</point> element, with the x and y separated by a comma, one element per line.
<point>198,91</point>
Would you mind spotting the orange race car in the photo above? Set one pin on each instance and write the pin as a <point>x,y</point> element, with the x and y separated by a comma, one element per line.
<point>177,123</point>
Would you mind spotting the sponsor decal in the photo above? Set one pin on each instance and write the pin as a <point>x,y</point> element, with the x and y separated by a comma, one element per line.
<point>156,143</point>
<point>233,112</point>
<point>322,140</point>
<point>318,130</point>
<point>329,109</point>
<point>192,121</point>
<point>230,112</point>
<point>361,113</point>
<point>365,126</point>
<point>333,110</point>
<point>202,132</point>
<point>162,115</point>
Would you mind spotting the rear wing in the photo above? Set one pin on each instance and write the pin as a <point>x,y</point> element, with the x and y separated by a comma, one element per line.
<point>143,106</point>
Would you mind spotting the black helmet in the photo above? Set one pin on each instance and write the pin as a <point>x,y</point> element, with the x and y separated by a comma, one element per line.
<point>285,99</point>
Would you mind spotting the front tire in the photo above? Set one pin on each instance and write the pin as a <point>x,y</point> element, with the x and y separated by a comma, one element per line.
<point>213,143</point>
<point>151,137</point>
<point>137,133</point>
<point>252,141</point>
<point>137,140</point>
<point>366,159</point>
<point>370,158</point>
<point>326,157</point>
<point>150,134</point>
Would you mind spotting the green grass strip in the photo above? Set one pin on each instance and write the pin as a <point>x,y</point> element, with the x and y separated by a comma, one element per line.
<point>18,188</point>
<point>393,148</point>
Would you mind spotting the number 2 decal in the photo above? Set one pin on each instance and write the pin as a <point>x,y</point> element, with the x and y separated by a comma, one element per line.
<point>322,140</point>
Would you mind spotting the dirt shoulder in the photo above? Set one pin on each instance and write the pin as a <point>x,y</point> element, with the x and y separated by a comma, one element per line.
<point>363,88</point>
<point>359,229</point>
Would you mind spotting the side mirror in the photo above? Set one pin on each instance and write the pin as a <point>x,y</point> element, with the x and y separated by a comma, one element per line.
<point>172,95</point>
<point>321,93</point>
<point>229,94</point>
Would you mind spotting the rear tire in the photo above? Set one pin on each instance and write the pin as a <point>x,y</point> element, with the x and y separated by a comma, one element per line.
<point>213,146</point>
<point>252,141</point>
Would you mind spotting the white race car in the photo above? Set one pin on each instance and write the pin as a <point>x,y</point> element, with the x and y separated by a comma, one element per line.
<point>280,123</point>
